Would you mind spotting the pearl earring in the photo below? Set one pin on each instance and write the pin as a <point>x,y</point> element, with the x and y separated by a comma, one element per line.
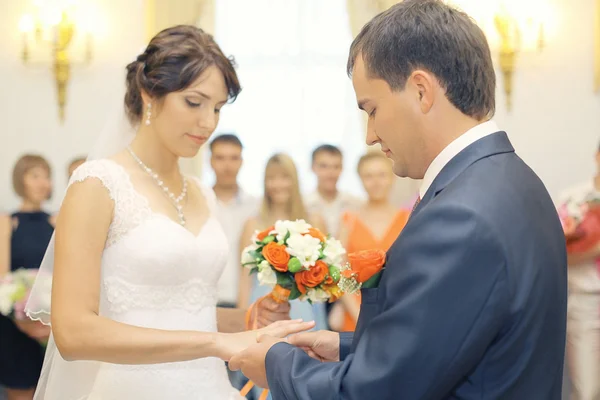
<point>148,113</point>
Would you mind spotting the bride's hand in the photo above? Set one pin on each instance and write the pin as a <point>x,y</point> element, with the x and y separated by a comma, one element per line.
<point>229,344</point>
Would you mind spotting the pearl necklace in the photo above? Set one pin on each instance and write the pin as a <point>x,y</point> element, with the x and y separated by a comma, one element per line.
<point>175,200</point>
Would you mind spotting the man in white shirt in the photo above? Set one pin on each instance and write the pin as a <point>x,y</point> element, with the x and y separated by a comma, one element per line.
<point>234,207</point>
<point>327,200</point>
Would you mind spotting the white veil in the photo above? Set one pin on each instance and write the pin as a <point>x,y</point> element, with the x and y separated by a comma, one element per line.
<point>114,137</point>
<point>60,379</point>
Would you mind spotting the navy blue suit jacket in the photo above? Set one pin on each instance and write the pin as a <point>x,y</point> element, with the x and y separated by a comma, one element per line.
<point>472,302</point>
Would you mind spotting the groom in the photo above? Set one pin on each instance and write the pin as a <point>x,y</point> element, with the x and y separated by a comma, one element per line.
<point>472,302</point>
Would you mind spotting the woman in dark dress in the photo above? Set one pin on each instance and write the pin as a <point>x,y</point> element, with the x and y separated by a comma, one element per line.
<point>24,236</point>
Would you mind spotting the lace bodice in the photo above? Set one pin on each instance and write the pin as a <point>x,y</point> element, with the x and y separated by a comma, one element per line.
<point>157,274</point>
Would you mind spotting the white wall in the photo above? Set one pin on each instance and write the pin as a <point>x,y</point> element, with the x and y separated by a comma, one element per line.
<point>554,124</point>
<point>28,106</point>
<point>555,121</point>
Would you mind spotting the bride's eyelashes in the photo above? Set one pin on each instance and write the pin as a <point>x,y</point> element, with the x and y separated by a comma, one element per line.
<point>192,104</point>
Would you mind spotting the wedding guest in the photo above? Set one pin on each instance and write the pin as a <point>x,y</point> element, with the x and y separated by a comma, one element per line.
<point>74,164</point>
<point>327,164</point>
<point>375,225</point>
<point>282,201</point>
<point>24,236</point>
<point>234,206</point>
<point>583,312</point>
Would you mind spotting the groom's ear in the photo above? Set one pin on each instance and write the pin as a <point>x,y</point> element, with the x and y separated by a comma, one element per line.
<point>423,85</point>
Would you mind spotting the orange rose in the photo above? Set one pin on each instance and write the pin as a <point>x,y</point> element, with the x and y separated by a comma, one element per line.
<point>277,256</point>
<point>314,232</point>
<point>264,233</point>
<point>365,264</point>
<point>312,277</point>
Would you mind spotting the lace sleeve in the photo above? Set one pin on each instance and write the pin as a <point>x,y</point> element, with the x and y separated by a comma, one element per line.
<point>99,169</point>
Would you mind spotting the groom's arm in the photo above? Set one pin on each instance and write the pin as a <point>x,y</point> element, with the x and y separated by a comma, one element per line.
<point>446,295</point>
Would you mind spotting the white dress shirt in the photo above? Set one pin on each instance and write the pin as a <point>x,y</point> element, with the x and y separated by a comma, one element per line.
<point>459,144</point>
<point>233,215</point>
<point>331,211</point>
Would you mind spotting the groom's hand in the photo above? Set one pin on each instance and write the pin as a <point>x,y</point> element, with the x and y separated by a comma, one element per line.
<point>321,345</point>
<point>252,360</point>
<point>269,311</point>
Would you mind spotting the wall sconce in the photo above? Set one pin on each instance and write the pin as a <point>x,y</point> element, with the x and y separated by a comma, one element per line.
<point>57,30</point>
<point>514,37</point>
<point>513,28</point>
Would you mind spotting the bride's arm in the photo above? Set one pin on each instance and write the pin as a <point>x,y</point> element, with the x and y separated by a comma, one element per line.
<point>231,320</point>
<point>80,333</point>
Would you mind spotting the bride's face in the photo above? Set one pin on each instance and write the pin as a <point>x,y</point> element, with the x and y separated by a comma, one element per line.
<point>185,120</point>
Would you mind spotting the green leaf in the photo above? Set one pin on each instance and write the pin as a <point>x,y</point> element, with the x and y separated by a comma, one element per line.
<point>253,271</point>
<point>373,281</point>
<point>295,292</point>
<point>284,279</point>
<point>286,237</point>
<point>257,254</point>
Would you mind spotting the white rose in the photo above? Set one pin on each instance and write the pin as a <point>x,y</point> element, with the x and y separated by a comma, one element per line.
<point>304,247</point>
<point>317,295</point>
<point>7,291</point>
<point>293,227</point>
<point>333,252</point>
<point>266,274</point>
<point>247,258</point>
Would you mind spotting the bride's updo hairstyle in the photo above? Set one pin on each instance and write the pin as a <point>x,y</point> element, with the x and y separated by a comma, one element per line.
<point>173,60</point>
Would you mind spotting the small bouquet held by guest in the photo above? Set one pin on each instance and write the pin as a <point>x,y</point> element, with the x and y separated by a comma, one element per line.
<point>580,218</point>
<point>15,288</point>
<point>297,260</point>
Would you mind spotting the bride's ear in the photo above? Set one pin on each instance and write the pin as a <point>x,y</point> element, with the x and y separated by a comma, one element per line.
<point>145,98</point>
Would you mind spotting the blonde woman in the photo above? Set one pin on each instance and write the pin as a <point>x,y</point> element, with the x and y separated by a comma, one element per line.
<point>282,201</point>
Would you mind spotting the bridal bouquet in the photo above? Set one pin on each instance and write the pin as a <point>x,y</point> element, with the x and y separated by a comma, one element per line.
<point>297,260</point>
<point>14,292</point>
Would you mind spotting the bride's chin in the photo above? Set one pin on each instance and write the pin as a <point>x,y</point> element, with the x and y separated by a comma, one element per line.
<point>188,153</point>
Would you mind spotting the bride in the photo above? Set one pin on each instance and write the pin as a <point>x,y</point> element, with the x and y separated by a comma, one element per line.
<point>138,251</point>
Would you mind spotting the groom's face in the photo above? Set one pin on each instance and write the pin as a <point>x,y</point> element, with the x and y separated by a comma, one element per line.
<point>394,120</point>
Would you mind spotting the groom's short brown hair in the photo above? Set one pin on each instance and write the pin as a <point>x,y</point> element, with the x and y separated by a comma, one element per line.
<point>430,35</point>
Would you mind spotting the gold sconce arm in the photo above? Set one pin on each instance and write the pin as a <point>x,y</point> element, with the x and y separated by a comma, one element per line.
<point>59,34</point>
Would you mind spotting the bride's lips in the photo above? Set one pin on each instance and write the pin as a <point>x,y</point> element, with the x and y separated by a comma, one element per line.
<point>197,139</point>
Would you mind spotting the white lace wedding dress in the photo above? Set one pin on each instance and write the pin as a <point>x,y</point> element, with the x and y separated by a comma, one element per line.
<point>156,274</point>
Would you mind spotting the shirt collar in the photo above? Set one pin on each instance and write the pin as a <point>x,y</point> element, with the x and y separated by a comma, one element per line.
<point>456,146</point>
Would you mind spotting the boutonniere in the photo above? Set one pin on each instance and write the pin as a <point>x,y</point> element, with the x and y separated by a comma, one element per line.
<point>362,271</point>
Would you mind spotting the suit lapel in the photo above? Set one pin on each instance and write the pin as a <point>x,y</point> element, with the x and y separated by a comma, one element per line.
<point>496,143</point>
